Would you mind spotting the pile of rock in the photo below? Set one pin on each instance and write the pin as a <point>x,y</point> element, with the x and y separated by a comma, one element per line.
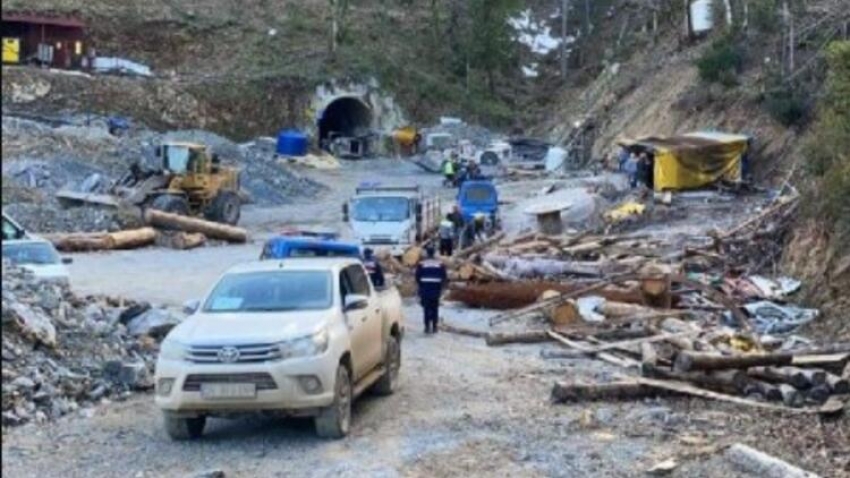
<point>63,353</point>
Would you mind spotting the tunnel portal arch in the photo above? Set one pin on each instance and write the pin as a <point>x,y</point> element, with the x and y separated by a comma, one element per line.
<point>347,116</point>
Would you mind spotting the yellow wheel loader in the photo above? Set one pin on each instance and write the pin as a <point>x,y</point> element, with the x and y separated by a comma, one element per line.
<point>189,181</point>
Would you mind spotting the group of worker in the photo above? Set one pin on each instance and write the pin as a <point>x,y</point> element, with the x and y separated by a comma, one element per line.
<point>455,173</point>
<point>636,166</point>
<point>455,231</point>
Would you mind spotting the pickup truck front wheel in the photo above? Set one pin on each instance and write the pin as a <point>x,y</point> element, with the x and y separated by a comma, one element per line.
<point>179,428</point>
<point>335,421</point>
<point>392,364</point>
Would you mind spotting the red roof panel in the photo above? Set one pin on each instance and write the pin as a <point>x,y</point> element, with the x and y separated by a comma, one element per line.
<point>43,20</point>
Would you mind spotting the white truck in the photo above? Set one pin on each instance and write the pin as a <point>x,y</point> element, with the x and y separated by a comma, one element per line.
<point>293,337</point>
<point>391,218</point>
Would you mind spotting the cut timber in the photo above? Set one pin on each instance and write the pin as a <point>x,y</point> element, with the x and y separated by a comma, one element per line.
<point>210,229</point>
<point>543,267</point>
<point>528,337</point>
<point>798,377</point>
<point>623,390</point>
<point>830,407</point>
<point>818,394</point>
<point>564,314</point>
<point>131,239</point>
<point>761,464</point>
<point>790,396</point>
<point>839,385</point>
<point>188,240</point>
<point>687,361</point>
<point>612,359</point>
<point>480,246</point>
<point>814,358</point>
<point>80,242</point>
<point>767,390</point>
<point>623,344</point>
<point>462,331</point>
<point>612,310</point>
<point>648,358</point>
<point>412,256</point>
<point>727,381</point>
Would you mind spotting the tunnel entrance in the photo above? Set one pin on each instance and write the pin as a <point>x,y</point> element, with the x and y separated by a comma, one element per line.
<point>345,126</point>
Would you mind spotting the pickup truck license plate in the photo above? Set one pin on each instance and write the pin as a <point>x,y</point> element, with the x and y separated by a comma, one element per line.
<point>228,390</point>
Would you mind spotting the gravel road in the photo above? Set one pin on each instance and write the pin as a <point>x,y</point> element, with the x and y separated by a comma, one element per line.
<point>463,409</point>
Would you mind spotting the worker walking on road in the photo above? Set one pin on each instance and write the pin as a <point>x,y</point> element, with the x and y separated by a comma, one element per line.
<point>373,267</point>
<point>447,236</point>
<point>431,277</point>
<point>449,171</point>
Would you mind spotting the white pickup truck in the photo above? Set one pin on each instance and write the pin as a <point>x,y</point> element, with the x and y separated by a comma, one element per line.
<point>293,337</point>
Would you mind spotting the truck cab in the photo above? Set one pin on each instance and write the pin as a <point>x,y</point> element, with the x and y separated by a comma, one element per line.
<point>390,217</point>
<point>479,196</point>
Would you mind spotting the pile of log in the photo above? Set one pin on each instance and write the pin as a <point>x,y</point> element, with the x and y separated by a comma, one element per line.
<point>680,357</point>
<point>164,229</point>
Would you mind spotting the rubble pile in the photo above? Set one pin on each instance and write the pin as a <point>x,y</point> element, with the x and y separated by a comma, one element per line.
<point>43,156</point>
<point>63,353</point>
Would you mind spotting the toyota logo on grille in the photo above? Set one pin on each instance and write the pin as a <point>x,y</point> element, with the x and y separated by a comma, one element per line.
<point>228,354</point>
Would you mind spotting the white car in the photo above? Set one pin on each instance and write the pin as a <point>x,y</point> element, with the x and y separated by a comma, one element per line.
<point>39,257</point>
<point>297,337</point>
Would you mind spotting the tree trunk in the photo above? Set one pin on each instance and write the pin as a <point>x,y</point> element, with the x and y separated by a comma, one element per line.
<point>187,240</point>
<point>462,331</point>
<point>527,337</point>
<point>839,385</point>
<point>575,392</point>
<point>798,377</point>
<point>687,361</point>
<point>760,464</point>
<point>210,229</point>
<point>132,239</point>
<point>79,242</point>
<point>462,254</point>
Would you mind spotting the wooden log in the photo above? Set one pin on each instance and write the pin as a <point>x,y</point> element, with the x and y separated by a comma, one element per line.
<point>797,377</point>
<point>648,358</point>
<point>564,314</point>
<point>607,357</point>
<point>818,394</point>
<point>621,345</point>
<point>612,310</point>
<point>210,229</point>
<point>757,463</point>
<point>188,240</point>
<point>687,361</point>
<point>767,390</point>
<point>480,246</point>
<point>725,381</point>
<point>132,238</point>
<point>831,407</point>
<point>412,256</point>
<point>790,396</point>
<point>622,390</point>
<point>828,361</point>
<point>80,242</point>
<point>837,384</point>
<point>622,334</point>
<point>526,267</point>
<point>462,330</point>
<point>525,337</point>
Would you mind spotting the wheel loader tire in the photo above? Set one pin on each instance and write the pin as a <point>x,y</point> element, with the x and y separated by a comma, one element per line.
<point>225,208</point>
<point>171,203</point>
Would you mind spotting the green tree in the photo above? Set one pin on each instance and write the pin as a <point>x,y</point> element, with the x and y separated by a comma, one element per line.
<point>487,38</point>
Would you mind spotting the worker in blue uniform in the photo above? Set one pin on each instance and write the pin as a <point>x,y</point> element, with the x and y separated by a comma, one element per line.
<point>431,278</point>
<point>373,267</point>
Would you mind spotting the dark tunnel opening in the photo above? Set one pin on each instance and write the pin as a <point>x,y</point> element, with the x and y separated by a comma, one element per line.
<point>344,117</point>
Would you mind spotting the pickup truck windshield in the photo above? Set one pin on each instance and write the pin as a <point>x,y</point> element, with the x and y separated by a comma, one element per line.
<point>271,291</point>
<point>478,194</point>
<point>32,253</point>
<point>381,209</point>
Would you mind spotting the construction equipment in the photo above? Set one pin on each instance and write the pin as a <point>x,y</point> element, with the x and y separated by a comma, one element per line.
<point>189,181</point>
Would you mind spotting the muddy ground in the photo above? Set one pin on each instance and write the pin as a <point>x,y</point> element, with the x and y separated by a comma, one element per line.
<point>462,409</point>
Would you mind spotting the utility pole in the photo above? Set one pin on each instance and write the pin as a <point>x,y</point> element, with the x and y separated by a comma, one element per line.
<point>565,11</point>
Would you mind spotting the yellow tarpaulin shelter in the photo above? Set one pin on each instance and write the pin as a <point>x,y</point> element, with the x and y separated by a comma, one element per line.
<point>692,160</point>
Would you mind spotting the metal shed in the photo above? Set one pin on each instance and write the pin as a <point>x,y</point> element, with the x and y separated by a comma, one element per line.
<point>56,41</point>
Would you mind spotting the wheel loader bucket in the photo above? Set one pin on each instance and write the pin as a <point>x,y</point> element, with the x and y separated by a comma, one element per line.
<point>74,198</point>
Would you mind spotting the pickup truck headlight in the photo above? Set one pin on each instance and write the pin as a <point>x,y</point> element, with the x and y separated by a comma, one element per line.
<point>305,346</point>
<point>172,350</point>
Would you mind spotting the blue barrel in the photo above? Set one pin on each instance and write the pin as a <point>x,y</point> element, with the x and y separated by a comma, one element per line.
<point>292,142</point>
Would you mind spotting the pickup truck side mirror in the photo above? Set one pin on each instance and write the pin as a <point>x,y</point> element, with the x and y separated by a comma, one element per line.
<point>191,306</point>
<point>355,302</point>
<point>67,260</point>
<point>345,212</point>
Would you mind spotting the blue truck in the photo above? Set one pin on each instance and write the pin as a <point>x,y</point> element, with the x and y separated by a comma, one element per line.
<point>283,247</point>
<point>479,196</point>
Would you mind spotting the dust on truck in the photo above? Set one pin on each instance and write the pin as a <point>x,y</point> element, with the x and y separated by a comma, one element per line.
<point>391,218</point>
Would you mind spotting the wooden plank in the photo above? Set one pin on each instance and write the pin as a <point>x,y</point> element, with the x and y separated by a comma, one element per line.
<point>612,359</point>
<point>630,343</point>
